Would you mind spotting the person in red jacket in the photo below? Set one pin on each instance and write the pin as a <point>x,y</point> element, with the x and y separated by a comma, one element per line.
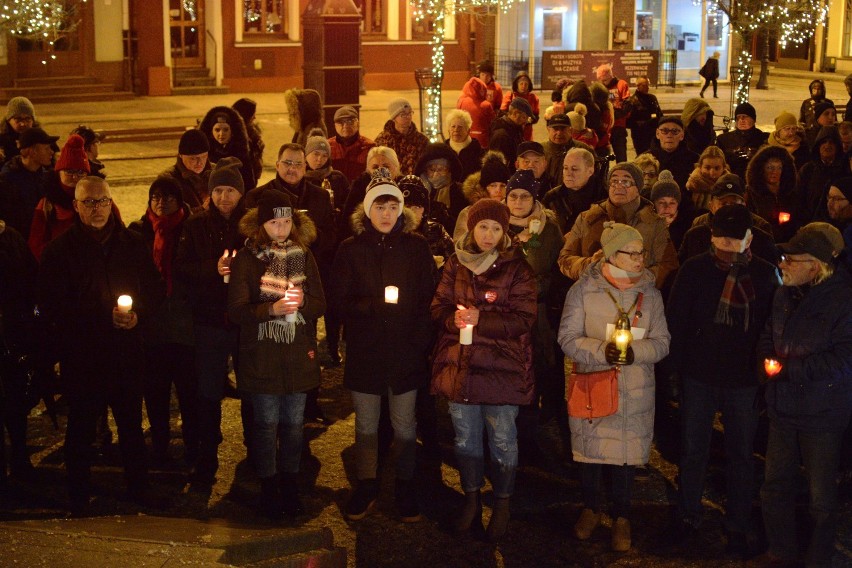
<point>495,91</point>
<point>619,94</point>
<point>474,99</point>
<point>522,87</point>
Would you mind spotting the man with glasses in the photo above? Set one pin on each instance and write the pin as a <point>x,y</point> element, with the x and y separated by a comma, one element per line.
<point>583,242</point>
<point>20,116</point>
<point>82,274</point>
<point>349,148</point>
<point>192,169</point>
<point>741,143</point>
<point>402,135</point>
<point>671,151</point>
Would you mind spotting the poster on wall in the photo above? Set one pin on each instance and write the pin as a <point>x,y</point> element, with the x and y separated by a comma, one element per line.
<point>644,30</point>
<point>553,29</point>
<point>576,65</point>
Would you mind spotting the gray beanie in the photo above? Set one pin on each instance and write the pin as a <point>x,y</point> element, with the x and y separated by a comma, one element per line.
<point>631,169</point>
<point>227,173</point>
<point>617,235</point>
<point>317,141</point>
<point>397,106</point>
<point>666,186</point>
<point>19,106</point>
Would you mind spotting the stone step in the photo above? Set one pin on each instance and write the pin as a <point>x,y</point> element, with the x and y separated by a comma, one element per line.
<point>201,90</point>
<point>73,97</point>
<point>195,82</point>
<point>33,82</point>
<point>191,72</point>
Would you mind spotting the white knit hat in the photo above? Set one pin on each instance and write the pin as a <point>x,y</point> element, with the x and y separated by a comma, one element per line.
<point>578,117</point>
<point>382,184</point>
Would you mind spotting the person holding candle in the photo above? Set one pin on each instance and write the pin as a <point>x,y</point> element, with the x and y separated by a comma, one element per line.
<point>489,285</point>
<point>809,400</point>
<point>772,182</point>
<point>387,342</point>
<point>716,311</point>
<point>276,297</point>
<point>614,286</point>
<point>99,345</point>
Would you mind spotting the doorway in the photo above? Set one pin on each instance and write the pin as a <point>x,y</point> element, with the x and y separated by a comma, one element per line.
<point>186,32</point>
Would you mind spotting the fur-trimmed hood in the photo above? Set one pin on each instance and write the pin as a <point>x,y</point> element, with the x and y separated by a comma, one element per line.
<point>302,224</point>
<point>304,107</point>
<point>692,108</point>
<point>239,143</point>
<point>471,188</point>
<point>754,171</point>
<point>437,151</point>
<point>359,221</point>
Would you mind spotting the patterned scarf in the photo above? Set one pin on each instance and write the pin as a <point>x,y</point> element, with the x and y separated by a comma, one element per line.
<point>738,292</point>
<point>165,238</point>
<point>620,278</point>
<point>285,268</point>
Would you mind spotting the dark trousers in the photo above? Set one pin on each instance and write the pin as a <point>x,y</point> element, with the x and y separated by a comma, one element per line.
<point>621,487</point>
<point>819,452</point>
<point>739,418</point>
<point>168,363</point>
<point>706,83</point>
<point>84,407</point>
<point>14,409</point>
<point>618,139</point>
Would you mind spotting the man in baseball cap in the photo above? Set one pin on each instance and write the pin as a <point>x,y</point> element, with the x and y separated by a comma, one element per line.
<point>25,177</point>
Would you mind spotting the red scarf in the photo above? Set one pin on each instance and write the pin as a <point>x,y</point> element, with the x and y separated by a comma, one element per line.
<point>164,241</point>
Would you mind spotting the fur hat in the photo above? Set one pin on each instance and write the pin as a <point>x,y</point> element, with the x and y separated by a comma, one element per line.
<point>397,106</point>
<point>486,67</point>
<point>666,186</point>
<point>731,221</point>
<point>820,240</point>
<point>317,141</point>
<point>73,156</point>
<point>785,119</point>
<point>193,142</point>
<point>345,112</point>
<point>414,192</point>
<point>227,173</point>
<point>577,117</point>
<point>522,105</point>
<point>746,109</point>
<point>524,179</point>
<point>273,205</point>
<point>488,209</point>
<point>493,170</point>
<point>166,186</point>
<point>617,235</point>
<point>19,106</point>
<point>382,184</point>
<point>821,107</point>
<point>631,169</point>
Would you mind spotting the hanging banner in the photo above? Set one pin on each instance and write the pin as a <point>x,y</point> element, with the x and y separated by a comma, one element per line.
<point>576,65</point>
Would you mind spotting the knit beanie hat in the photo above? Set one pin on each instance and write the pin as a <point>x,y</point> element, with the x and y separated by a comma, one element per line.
<point>844,184</point>
<point>631,169</point>
<point>746,109</point>
<point>522,105</point>
<point>19,106</point>
<point>227,173</point>
<point>167,186</point>
<point>493,170</point>
<point>731,221</point>
<point>666,186</point>
<point>821,107</point>
<point>73,155</point>
<point>488,209</point>
<point>397,106</point>
<point>382,184</point>
<point>524,179</point>
<point>273,205</point>
<point>785,119</point>
<point>317,141</point>
<point>616,235</point>
<point>193,142</point>
<point>414,192</point>
<point>578,117</point>
<point>344,113</point>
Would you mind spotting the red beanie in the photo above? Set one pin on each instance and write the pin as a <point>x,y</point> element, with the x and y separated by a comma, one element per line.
<point>488,208</point>
<point>73,156</point>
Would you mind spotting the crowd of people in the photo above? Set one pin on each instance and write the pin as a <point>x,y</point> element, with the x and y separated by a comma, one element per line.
<point>493,271</point>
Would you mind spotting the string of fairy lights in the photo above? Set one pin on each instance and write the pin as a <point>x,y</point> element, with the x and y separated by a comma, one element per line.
<point>39,21</point>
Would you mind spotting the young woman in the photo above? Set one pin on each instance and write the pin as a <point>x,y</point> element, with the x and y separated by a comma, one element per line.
<point>710,167</point>
<point>614,285</point>
<point>276,296</point>
<point>489,285</point>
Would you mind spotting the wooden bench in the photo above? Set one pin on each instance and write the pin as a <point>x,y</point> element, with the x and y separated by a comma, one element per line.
<point>144,134</point>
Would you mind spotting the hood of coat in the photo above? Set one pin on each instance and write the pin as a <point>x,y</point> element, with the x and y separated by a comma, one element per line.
<point>517,78</point>
<point>239,136</point>
<point>825,134</point>
<point>821,85</point>
<point>302,224</point>
<point>471,189</point>
<point>692,108</point>
<point>359,221</point>
<point>754,171</point>
<point>304,107</point>
<point>579,92</point>
<point>436,151</point>
<point>600,94</point>
<point>476,89</point>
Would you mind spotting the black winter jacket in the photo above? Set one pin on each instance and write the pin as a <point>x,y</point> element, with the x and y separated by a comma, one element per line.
<point>20,192</point>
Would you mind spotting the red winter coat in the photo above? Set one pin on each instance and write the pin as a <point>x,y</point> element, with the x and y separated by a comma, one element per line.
<point>351,159</point>
<point>498,367</point>
<point>474,99</point>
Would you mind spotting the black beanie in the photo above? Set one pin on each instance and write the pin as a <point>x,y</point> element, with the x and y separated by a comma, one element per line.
<point>414,192</point>
<point>168,186</point>
<point>273,204</point>
<point>493,170</point>
<point>193,142</point>
<point>524,179</point>
<point>227,173</point>
<point>746,109</point>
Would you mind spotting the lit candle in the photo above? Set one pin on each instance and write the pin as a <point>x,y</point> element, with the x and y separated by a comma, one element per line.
<point>466,335</point>
<point>772,367</point>
<point>227,277</point>
<point>125,303</point>
<point>289,296</point>
<point>783,217</point>
<point>391,294</point>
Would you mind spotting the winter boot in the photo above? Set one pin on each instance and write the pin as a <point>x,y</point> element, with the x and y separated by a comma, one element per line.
<point>406,501</point>
<point>701,94</point>
<point>470,515</point>
<point>499,522</point>
<point>363,499</point>
<point>291,503</point>
<point>588,522</point>
<point>270,501</point>
<point>621,535</point>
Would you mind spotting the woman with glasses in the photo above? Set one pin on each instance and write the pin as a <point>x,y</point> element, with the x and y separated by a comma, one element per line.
<point>616,285</point>
<point>441,171</point>
<point>771,182</point>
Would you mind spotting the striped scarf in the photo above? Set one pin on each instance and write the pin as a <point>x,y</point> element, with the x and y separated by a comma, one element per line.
<point>285,269</point>
<point>738,291</point>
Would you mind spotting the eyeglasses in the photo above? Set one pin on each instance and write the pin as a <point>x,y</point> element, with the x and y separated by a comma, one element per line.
<point>669,131</point>
<point>621,182</point>
<point>832,199</point>
<point>787,259</point>
<point>437,169</point>
<point>634,255</point>
<point>347,121</point>
<point>158,197</point>
<point>75,173</point>
<point>95,203</point>
<point>291,163</point>
<point>406,113</point>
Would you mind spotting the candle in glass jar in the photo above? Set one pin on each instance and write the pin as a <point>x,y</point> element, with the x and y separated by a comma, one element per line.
<point>772,367</point>
<point>783,217</point>
<point>391,294</point>
<point>125,303</point>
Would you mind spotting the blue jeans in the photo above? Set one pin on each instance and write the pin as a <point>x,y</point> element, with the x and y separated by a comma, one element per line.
<point>819,452</point>
<point>739,418</point>
<point>469,421</point>
<point>278,420</point>
<point>367,410</point>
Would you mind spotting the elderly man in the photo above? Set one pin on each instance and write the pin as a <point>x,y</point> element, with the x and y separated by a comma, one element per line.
<point>402,135</point>
<point>507,131</point>
<point>644,112</point>
<point>805,353</point>
<point>583,242</point>
<point>349,148</point>
<point>99,341</point>
<point>24,178</point>
<point>531,157</point>
<point>671,151</point>
<point>192,169</point>
<point>579,188</point>
<point>559,141</point>
<point>741,143</point>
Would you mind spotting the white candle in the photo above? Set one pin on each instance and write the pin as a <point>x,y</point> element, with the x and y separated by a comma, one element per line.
<point>227,277</point>
<point>534,226</point>
<point>466,335</point>
<point>125,303</point>
<point>391,294</point>
<point>290,318</point>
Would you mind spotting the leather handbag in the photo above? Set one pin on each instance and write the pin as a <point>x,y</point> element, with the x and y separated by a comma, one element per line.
<point>592,395</point>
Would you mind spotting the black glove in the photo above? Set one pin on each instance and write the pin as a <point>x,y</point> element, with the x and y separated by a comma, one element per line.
<point>612,353</point>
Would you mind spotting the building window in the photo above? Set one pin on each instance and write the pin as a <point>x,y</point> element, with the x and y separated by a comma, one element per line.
<point>422,29</point>
<point>373,17</point>
<point>265,18</point>
<point>847,29</point>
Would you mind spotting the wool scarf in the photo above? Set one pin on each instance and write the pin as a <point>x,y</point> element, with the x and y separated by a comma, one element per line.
<point>285,269</point>
<point>472,258</point>
<point>538,212</point>
<point>738,291</point>
<point>165,237</point>
<point>621,279</point>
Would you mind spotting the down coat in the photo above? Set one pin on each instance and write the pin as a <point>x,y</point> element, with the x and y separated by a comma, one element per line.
<point>268,367</point>
<point>237,146</point>
<point>624,437</point>
<point>498,367</point>
<point>474,99</point>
